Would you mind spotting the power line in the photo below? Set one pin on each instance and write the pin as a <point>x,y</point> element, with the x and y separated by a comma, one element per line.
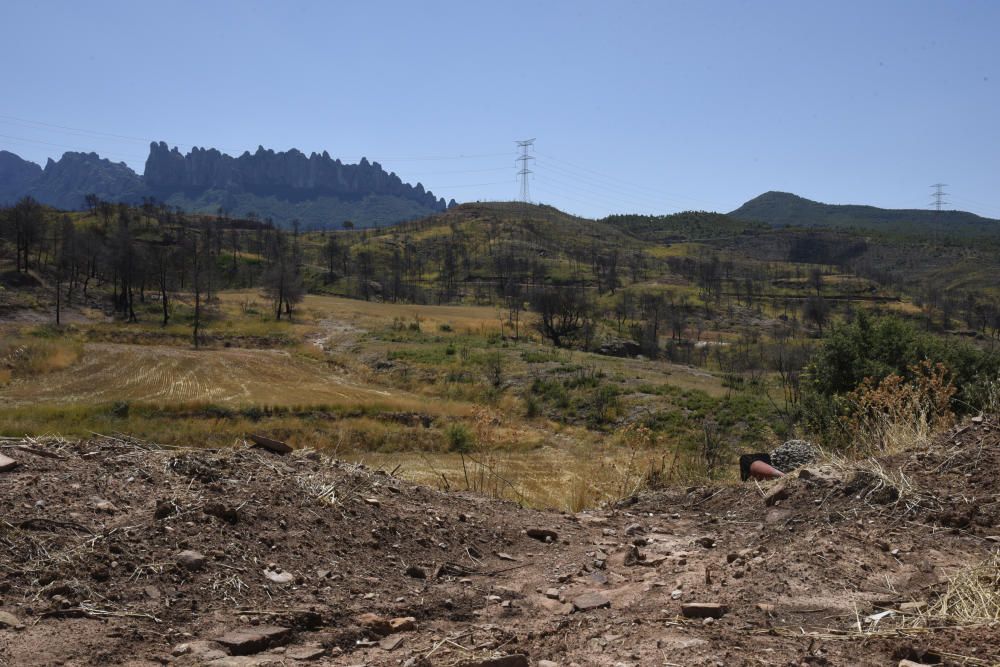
<point>592,185</point>
<point>525,145</point>
<point>604,195</point>
<point>625,183</point>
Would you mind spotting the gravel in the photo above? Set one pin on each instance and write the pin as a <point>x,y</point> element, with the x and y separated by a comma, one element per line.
<point>794,454</point>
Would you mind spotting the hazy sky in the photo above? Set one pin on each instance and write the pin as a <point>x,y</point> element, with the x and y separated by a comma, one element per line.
<point>635,106</point>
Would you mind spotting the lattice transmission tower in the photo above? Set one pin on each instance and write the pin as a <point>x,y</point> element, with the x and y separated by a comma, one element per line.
<point>523,160</point>
<point>938,196</point>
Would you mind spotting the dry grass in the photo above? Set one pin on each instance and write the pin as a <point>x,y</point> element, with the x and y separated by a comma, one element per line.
<point>886,487</point>
<point>972,596</point>
<point>571,472</point>
<point>894,415</point>
<point>30,357</point>
<point>373,314</point>
<point>110,372</point>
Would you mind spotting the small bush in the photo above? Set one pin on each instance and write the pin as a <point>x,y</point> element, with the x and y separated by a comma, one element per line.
<point>459,438</point>
<point>892,414</point>
<point>532,408</point>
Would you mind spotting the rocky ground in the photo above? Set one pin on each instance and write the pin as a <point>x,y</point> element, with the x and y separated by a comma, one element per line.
<point>113,551</point>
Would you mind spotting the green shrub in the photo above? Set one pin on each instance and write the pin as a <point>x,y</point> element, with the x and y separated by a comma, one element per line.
<point>879,347</point>
<point>459,438</point>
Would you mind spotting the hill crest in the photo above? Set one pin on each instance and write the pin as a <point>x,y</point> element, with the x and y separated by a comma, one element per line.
<point>782,209</point>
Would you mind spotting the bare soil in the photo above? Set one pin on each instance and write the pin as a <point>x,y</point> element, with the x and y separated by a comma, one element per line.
<point>300,558</point>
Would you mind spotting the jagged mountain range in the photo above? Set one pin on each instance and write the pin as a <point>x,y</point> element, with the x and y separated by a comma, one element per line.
<point>316,189</point>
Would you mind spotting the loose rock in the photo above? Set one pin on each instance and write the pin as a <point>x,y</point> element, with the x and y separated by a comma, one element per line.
<point>515,660</point>
<point>374,624</point>
<point>542,534</point>
<point>703,610</point>
<point>7,463</point>
<point>589,601</point>
<point>247,641</point>
<point>8,620</point>
<point>191,560</point>
<point>403,624</point>
<point>279,576</point>
<point>305,652</point>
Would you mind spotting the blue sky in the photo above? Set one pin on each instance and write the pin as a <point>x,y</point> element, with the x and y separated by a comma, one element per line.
<point>635,106</point>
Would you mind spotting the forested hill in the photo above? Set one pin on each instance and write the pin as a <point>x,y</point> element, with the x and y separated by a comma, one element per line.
<point>316,189</point>
<point>783,209</point>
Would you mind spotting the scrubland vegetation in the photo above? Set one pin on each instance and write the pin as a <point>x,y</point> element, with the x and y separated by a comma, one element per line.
<point>508,349</point>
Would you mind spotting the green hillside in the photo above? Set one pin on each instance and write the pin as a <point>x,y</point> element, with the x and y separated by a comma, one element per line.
<point>783,209</point>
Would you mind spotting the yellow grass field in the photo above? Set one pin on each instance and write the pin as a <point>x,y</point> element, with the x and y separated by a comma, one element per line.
<point>109,372</point>
<point>365,314</point>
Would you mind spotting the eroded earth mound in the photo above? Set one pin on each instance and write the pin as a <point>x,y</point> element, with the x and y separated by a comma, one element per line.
<point>113,551</point>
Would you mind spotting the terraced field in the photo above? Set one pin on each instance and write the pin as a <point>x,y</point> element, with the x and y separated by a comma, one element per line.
<point>234,377</point>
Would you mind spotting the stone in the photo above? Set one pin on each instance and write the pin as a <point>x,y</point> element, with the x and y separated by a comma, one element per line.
<point>164,508</point>
<point>632,556</point>
<point>505,556</point>
<point>403,624</point>
<point>822,475</point>
<point>634,529</point>
<point>270,445</point>
<point>180,649</point>
<point>707,542</point>
<point>542,534</point>
<point>703,610</point>
<point>766,607</point>
<point>205,650</point>
<point>591,600</point>
<point>102,505</point>
<point>279,576</point>
<point>514,660</point>
<point>911,663</point>
<point>552,593</point>
<point>546,663</point>
<point>191,560</point>
<point>556,607</point>
<point>374,624</point>
<point>305,652</point>
<point>223,513</point>
<point>7,463</point>
<point>254,639</point>
<point>8,620</point>
<point>776,493</point>
<point>391,643</point>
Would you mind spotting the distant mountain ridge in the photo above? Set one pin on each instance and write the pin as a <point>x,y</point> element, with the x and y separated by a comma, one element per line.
<point>782,209</point>
<point>285,185</point>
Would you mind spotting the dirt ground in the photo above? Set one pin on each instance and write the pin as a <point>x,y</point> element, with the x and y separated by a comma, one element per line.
<point>113,551</point>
